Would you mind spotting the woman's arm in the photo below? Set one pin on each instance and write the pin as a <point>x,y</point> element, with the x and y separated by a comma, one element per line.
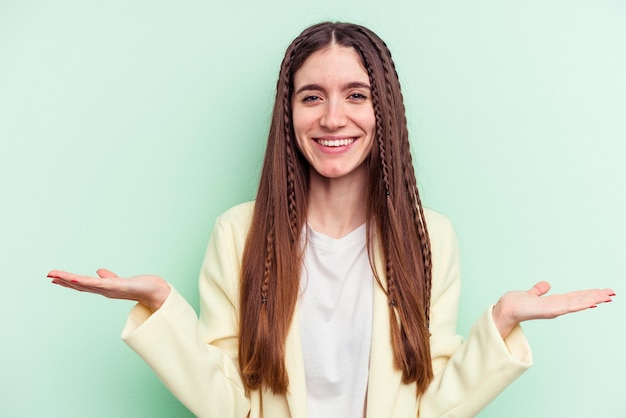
<point>471,373</point>
<point>195,359</point>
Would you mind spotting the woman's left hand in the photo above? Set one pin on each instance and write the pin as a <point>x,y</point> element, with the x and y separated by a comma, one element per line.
<point>517,306</point>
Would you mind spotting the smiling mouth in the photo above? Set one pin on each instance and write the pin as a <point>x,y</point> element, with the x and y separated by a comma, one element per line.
<point>335,142</point>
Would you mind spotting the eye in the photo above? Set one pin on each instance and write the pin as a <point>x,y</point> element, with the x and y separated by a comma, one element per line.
<point>359,97</point>
<point>310,98</point>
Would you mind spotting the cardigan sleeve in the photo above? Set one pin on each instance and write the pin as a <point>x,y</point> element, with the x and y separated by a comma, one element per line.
<point>471,373</point>
<point>197,358</point>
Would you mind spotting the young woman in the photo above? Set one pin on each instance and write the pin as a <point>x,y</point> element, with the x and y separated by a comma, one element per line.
<point>335,293</point>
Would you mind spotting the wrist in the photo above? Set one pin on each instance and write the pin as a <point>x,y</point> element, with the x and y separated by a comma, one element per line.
<point>157,297</point>
<point>503,319</point>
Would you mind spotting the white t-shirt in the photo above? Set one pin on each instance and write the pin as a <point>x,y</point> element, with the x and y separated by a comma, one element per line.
<point>336,299</point>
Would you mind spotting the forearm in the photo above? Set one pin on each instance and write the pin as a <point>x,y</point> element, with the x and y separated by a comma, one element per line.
<point>469,376</point>
<point>201,376</point>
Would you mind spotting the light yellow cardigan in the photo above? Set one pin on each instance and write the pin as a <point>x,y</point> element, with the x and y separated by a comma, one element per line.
<point>197,358</point>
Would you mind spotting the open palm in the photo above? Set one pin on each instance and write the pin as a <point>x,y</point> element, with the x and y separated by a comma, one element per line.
<point>149,290</point>
<point>518,306</point>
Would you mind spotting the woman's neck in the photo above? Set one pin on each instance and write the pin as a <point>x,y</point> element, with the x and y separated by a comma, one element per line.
<point>337,207</point>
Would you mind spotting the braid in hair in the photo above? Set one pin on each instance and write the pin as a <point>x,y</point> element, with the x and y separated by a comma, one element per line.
<point>384,157</point>
<point>391,276</point>
<point>414,197</point>
<point>292,200</point>
<point>269,261</point>
<point>408,277</point>
<point>291,190</point>
<point>418,215</point>
<point>391,283</point>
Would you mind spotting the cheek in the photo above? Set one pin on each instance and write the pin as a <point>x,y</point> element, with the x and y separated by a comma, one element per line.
<point>368,149</point>
<point>367,120</point>
<point>298,135</point>
<point>369,125</point>
<point>302,123</point>
<point>296,122</point>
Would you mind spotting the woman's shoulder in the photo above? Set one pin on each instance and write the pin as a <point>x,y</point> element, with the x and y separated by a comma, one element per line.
<point>443,240</point>
<point>437,223</point>
<point>238,213</point>
<point>235,221</point>
<point>444,251</point>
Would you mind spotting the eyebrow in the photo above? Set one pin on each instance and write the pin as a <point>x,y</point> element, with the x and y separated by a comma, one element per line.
<point>351,85</point>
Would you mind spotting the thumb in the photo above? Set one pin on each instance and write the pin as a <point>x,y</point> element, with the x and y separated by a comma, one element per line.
<point>105,274</point>
<point>540,289</point>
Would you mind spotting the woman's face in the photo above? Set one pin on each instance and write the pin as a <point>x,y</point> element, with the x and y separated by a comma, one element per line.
<point>333,115</point>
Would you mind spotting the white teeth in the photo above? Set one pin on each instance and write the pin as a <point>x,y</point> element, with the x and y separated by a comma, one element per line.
<point>335,142</point>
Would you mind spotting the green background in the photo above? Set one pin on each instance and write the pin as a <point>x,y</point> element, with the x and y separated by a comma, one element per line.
<point>128,126</point>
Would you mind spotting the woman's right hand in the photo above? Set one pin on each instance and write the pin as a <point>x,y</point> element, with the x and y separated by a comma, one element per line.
<point>148,290</point>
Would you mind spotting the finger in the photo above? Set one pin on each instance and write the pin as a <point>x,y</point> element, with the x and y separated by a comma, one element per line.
<point>83,283</point>
<point>604,296</point>
<point>540,288</point>
<point>59,274</point>
<point>105,274</point>
<point>583,299</point>
<point>599,295</point>
<point>72,279</point>
<point>69,284</point>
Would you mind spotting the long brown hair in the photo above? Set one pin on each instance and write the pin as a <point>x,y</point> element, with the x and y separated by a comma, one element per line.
<point>273,254</point>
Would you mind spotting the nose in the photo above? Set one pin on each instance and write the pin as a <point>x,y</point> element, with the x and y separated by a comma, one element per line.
<point>334,116</point>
